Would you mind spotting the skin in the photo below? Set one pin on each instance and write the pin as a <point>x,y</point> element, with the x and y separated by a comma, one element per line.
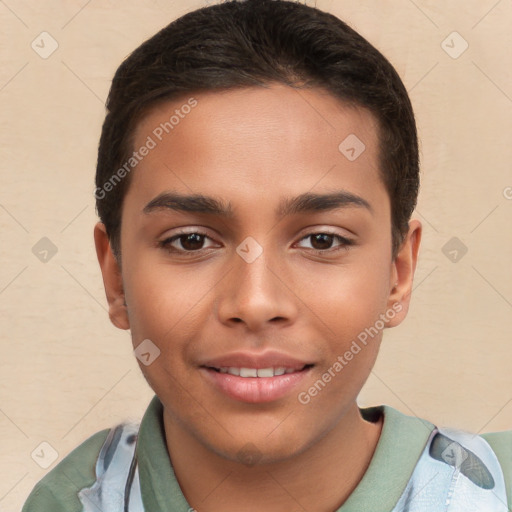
<point>252,147</point>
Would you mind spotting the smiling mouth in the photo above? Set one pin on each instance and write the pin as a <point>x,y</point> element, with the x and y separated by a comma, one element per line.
<point>256,385</point>
<point>259,372</point>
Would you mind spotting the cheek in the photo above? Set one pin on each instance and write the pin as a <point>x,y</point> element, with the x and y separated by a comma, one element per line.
<point>160,298</point>
<point>346,299</point>
<point>348,312</point>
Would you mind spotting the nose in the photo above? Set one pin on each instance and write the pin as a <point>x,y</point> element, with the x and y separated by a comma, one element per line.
<point>257,293</point>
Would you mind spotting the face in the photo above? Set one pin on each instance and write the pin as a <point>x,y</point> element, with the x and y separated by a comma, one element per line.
<point>249,297</point>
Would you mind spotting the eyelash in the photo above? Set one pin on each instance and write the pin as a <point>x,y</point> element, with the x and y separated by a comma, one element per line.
<point>345,243</point>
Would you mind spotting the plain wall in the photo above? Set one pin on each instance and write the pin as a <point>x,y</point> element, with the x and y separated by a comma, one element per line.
<point>66,372</point>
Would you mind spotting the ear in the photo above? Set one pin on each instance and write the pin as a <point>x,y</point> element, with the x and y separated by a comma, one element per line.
<point>112,279</point>
<point>402,274</point>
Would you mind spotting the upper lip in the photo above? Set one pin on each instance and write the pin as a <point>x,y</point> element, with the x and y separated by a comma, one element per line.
<point>269,359</point>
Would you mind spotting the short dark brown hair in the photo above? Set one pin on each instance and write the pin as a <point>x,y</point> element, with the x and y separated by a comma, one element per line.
<point>251,43</point>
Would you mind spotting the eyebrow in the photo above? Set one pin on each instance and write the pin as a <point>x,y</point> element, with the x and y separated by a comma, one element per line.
<point>304,203</point>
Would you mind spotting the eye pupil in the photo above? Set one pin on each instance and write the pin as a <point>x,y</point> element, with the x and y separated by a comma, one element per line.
<point>326,238</point>
<point>194,238</point>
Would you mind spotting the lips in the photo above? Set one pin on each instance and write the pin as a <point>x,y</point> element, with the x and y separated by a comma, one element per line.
<point>255,378</point>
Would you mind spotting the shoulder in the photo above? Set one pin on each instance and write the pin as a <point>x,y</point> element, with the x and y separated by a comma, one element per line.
<point>501,443</point>
<point>57,490</point>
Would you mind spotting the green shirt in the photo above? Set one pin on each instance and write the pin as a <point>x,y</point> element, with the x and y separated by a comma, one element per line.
<point>401,443</point>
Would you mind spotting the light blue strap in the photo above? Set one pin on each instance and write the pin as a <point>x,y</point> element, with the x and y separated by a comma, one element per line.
<point>457,472</point>
<point>117,475</point>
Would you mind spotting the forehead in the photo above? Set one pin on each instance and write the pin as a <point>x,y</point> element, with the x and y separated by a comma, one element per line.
<point>254,143</point>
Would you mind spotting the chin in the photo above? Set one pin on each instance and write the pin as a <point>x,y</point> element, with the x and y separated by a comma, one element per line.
<point>254,455</point>
<point>256,448</point>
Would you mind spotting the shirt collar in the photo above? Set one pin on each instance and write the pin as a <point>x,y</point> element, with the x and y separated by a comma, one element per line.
<point>400,445</point>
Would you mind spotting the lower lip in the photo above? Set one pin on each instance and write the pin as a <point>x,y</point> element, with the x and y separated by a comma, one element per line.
<point>255,389</point>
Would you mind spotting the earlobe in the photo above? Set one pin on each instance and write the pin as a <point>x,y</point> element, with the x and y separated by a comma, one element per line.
<point>112,278</point>
<point>402,275</point>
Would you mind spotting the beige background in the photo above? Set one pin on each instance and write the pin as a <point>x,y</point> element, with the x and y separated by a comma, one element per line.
<point>66,372</point>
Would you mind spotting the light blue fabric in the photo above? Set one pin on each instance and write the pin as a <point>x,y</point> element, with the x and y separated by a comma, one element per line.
<point>457,472</point>
<point>117,474</point>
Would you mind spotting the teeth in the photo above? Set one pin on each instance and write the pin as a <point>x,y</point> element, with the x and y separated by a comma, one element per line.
<point>265,372</point>
<point>253,372</point>
<point>248,372</point>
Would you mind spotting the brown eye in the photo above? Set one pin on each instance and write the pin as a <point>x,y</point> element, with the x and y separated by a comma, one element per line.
<point>321,243</point>
<point>192,241</point>
<point>185,243</point>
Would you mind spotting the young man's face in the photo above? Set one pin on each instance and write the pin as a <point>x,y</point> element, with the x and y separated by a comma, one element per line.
<point>261,290</point>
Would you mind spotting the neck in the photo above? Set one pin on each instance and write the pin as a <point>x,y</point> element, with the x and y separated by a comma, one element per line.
<point>319,479</point>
